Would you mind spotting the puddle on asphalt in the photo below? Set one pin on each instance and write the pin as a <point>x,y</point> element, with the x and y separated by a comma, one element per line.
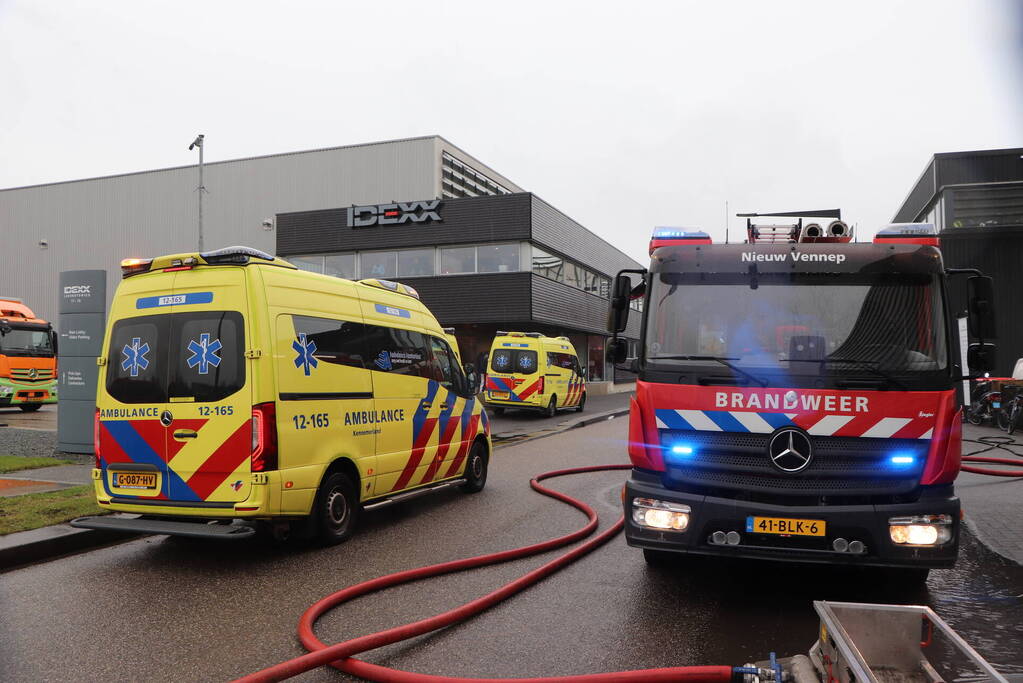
<point>764,607</point>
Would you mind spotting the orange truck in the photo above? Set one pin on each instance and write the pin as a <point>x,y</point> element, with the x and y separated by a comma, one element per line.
<point>28,357</point>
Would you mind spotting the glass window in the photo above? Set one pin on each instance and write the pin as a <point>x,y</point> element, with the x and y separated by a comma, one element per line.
<point>574,275</point>
<point>457,260</point>
<point>562,360</point>
<point>340,342</point>
<point>498,258</point>
<point>401,352</point>
<point>512,361</point>
<point>415,262</point>
<point>376,264</point>
<point>547,265</point>
<point>340,265</point>
<point>451,375</point>
<point>24,341</point>
<point>314,264</point>
<point>195,355</point>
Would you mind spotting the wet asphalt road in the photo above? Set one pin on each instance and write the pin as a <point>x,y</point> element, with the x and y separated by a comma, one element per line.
<point>164,609</point>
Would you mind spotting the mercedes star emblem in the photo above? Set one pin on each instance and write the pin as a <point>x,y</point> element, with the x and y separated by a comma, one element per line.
<point>789,450</point>
<point>33,373</point>
<point>166,417</point>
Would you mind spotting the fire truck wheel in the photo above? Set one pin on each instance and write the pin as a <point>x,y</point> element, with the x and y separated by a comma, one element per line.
<point>582,403</point>
<point>552,407</point>
<point>476,469</point>
<point>337,509</point>
<point>498,411</point>
<point>30,407</point>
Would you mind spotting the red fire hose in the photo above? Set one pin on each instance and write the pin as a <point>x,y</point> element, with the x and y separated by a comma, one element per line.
<point>992,443</point>
<point>341,655</point>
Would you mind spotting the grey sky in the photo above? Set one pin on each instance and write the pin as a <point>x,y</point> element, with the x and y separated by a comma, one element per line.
<point>623,115</point>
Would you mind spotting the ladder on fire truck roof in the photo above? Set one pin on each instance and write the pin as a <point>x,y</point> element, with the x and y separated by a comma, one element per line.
<point>788,233</point>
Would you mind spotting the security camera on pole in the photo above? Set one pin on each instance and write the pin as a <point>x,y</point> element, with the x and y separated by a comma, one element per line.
<point>202,188</point>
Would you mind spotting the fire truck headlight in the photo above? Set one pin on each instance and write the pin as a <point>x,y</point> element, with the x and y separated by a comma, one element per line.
<point>920,530</point>
<point>660,514</point>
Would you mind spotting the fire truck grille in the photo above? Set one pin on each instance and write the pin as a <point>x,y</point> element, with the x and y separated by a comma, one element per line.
<point>839,466</point>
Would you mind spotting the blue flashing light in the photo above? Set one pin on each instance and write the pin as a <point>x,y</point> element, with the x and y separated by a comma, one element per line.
<point>902,460</point>
<point>682,449</point>
<point>665,233</point>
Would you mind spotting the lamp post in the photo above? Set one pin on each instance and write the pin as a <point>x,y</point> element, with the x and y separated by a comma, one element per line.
<point>202,188</point>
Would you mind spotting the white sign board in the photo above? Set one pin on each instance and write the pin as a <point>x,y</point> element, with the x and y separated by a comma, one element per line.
<point>964,345</point>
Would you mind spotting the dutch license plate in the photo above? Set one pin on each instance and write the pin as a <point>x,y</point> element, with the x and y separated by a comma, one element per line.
<point>500,395</point>
<point>135,480</point>
<point>785,527</point>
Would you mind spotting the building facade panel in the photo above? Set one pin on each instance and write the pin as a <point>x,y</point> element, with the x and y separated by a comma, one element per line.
<point>469,299</point>
<point>94,223</point>
<point>483,219</point>
<point>556,231</point>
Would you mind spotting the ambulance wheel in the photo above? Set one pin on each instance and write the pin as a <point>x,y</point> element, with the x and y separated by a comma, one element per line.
<point>498,411</point>
<point>552,407</point>
<point>476,469</point>
<point>30,407</point>
<point>582,403</point>
<point>337,509</point>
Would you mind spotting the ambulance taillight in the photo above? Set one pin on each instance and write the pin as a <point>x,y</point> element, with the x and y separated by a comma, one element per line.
<point>540,385</point>
<point>95,439</point>
<point>264,437</point>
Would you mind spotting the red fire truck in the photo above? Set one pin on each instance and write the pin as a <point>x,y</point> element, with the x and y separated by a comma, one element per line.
<point>797,396</point>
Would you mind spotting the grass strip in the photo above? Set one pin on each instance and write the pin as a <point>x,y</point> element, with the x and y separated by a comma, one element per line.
<point>13,463</point>
<point>34,510</point>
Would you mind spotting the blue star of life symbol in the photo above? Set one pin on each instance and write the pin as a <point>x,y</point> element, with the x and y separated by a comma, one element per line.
<point>135,356</point>
<point>305,349</point>
<point>204,353</point>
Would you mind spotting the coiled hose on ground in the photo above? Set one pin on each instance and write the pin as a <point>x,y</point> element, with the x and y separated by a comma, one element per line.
<point>342,655</point>
<point>993,443</point>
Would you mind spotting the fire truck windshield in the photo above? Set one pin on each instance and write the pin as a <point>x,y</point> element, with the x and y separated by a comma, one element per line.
<point>877,324</point>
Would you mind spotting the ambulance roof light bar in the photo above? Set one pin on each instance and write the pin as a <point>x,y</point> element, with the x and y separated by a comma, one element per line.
<point>907,233</point>
<point>504,333</point>
<point>235,254</point>
<point>665,236</point>
<point>391,286</point>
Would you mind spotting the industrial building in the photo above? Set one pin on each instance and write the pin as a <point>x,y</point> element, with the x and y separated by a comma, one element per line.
<point>489,255</point>
<point>975,199</point>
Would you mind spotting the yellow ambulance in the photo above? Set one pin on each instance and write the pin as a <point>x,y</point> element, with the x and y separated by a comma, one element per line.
<point>236,387</point>
<point>531,371</point>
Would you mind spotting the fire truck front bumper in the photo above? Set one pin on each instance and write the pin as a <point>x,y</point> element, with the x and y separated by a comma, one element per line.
<point>921,534</point>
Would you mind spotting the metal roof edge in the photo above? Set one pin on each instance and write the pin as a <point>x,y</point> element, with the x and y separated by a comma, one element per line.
<point>226,161</point>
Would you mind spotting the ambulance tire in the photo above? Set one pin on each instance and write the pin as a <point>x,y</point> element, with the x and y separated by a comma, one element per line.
<point>30,407</point>
<point>582,403</point>
<point>337,509</point>
<point>498,411</point>
<point>476,468</point>
<point>552,407</point>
